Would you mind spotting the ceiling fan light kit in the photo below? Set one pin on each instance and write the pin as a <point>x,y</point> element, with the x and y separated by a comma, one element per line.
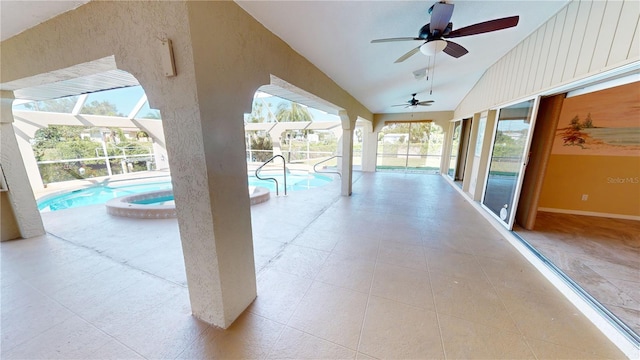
<point>433,47</point>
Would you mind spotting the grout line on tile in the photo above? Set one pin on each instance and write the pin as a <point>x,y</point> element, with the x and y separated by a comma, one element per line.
<point>157,305</point>
<point>194,340</point>
<point>366,307</point>
<point>493,286</point>
<point>286,244</point>
<point>4,350</point>
<point>295,308</point>
<point>125,264</point>
<point>435,305</point>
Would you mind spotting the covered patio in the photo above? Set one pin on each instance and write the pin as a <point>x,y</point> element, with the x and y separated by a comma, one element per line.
<point>380,274</point>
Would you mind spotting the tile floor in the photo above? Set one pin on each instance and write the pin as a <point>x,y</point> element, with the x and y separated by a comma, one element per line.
<point>602,255</point>
<point>405,268</point>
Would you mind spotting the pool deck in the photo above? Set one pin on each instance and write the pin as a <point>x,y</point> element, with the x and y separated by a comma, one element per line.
<point>272,228</point>
<point>404,268</point>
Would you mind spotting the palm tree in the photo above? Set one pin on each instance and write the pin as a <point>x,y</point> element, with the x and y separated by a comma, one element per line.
<point>292,112</point>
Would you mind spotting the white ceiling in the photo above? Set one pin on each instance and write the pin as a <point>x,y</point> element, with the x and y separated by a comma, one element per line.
<point>336,37</point>
<point>20,15</point>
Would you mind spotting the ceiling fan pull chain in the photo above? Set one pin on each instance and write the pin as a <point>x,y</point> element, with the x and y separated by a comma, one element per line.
<point>433,74</point>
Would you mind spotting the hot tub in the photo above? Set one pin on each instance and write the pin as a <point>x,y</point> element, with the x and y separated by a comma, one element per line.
<point>160,204</point>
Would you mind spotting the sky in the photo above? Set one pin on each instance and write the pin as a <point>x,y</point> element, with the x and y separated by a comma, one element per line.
<point>126,99</point>
<point>318,115</point>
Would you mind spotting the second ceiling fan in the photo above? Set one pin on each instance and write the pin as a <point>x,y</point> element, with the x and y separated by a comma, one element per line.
<point>415,102</point>
<point>433,34</point>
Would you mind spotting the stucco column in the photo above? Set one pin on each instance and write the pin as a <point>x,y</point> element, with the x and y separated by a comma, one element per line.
<point>369,148</point>
<point>21,197</point>
<point>155,130</point>
<point>209,176</point>
<point>277,133</point>
<point>446,149</point>
<point>346,167</point>
<point>28,156</point>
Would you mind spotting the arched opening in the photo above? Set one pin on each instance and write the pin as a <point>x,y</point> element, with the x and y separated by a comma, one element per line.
<point>306,138</point>
<point>84,137</point>
<point>283,127</point>
<point>90,145</point>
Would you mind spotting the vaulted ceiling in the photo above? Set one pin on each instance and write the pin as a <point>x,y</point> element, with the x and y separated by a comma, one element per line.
<point>336,37</point>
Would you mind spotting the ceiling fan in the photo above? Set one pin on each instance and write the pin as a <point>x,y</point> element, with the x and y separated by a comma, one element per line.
<point>415,102</point>
<point>440,28</point>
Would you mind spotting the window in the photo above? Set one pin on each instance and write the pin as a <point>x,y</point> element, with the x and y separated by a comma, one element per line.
<point>410,146</point>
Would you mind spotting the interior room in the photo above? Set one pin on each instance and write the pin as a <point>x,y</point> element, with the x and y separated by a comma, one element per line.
<point>585,222</point>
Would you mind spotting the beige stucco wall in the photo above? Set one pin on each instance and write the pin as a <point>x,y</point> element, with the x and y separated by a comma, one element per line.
<point>583,39</point>
<point>222,56</point>
<point>244,53</point>
<point>131,31</point>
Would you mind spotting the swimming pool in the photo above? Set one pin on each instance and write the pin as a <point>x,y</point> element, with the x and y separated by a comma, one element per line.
<point>102,193</point>
<point>295,182</point>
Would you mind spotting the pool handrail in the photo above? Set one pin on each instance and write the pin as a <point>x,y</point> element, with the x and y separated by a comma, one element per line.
<point>284,171</point>
<point>327,172</point>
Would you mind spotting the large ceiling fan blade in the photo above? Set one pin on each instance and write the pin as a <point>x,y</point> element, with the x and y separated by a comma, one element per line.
<point>484,27</point>
<point>455,50</point>
<point>440,16</point>
<point>395,39</point>
<point>425,103</point>
<point>408,55</point>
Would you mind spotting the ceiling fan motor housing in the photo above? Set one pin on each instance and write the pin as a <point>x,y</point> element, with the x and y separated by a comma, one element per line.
<point>426,33</point>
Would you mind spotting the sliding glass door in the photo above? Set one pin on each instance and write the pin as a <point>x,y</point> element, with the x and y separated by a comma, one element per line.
<point>455,149</point>
<point>508,160</point>
<point>410,146</point>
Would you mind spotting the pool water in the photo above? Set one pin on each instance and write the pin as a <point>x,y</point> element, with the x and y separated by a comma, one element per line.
<point>295,182</point>
<point>97,195</point>
<point>102,193</point>
<point>160,200</point>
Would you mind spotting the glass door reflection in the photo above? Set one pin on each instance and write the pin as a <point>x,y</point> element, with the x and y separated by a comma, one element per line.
<point>510,144</point>
<point>455,148</point>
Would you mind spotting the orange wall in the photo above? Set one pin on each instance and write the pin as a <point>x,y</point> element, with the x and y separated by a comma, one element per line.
<point>612,184</point>
<point>609,174</point>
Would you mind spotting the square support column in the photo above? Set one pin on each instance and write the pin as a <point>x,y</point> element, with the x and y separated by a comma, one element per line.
<point>209,175</point>
<point>29,159</point>
<point>369,149</point>
<point>347,162</point>
<point>346,167</point>
<point>20,193</point>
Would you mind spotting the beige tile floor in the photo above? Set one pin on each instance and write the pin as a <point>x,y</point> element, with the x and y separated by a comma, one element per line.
<point>403,269</point>
<point>602,255</point>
